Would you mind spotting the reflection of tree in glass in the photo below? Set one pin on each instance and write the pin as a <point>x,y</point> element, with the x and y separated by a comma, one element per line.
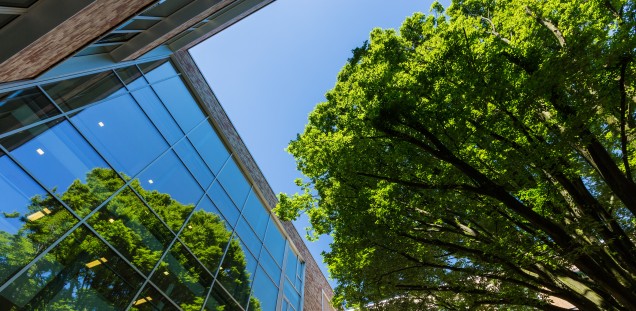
<point>65,278</point>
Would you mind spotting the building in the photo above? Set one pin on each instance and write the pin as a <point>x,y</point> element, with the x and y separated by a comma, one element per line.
<point>123,184</point>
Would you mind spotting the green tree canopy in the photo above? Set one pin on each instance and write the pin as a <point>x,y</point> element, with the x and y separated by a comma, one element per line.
<point>480,158</point>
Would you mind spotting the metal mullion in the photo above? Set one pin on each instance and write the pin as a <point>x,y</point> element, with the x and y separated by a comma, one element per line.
<point>10,10</point>
<point>281,284</point>
<point>126,31</point>
<point>131,304</point>
<point>34,124</point>
<point>226,292</point>
<point>104,44</point>
<point>148,17</point>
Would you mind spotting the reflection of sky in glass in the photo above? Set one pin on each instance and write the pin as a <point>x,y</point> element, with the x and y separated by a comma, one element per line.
<point>122,133</point>
<point>168,175</point>
<point>179,102</point>
<point>17,189</point>
<point>209,146</point>
<point>192,160</point>
<point>256,215</point>
<point>150,103</point>
<point>265,290</point>
<point>58,156</point>
<point>234,182</point>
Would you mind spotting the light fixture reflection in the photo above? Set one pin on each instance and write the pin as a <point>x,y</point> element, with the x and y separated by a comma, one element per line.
<point>150,181</point>
<point>100,123</point>
<point>110,220</point>
<point>96,262</point>
<point>39,151</point>
<point>37,215</point>
<point>142,300</point>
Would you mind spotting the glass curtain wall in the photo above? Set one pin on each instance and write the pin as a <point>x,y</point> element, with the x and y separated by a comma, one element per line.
<point>118,194</point>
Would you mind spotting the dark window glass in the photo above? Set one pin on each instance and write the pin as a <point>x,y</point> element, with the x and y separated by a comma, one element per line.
<point>151,299</point>
<point>193,161</point>
<point>92,50</point>
<point>131,76</point>
<point>23,107</point>
<point>234,183</point>
<point>78,92</point>
<point>132,229</point>
<point>151,104</point>
<point>122,133</point>
<point>158,70</point>
<point>64,162</point>
<point>247,235</point>
<point>275,242</point>
<point>237,270</point>
<point>81,273</point>
<point>177,98</point>
<point>182,278</point>
<point>6,18</point>
<point>270,266</point>
<point>265,291</point>
<point>30,219</point>
<point>17,3</point>
<point>169,189</point>
<point>210,147</point>
<point>256,214</point>
<point>224,203</point>
<point>220,299</point>
<point>206,234</point>
<point>117,37</point>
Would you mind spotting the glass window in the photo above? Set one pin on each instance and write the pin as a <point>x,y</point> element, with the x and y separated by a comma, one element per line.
<point>17,3</point>
<point>131,76</point>
<point>117,37</point>
<point>270,266</point>
<point>224,203</point>
<point>265,291</point>
<point>122,133</point>
<point>128,225</point>
<point>166,8</point>
<point>183,278</point>
<point>81,273</point>
<point>275,242</point>
<point>140,24</point>
<point>151,104</point>
<point>193,161</point>
<point>177,98</point>
<point>237,271</point>
<point>158,70</point>
<point>247,235</point>
<point>291,294</point>
<point>291,265</point>
<point>234,182</point>
<point>151,299</point>
<point>30,219</point>
<point>24,107</point>
<point>78,92</point>
<point>220,299</point>
<point>256,214</point>
<point>169,189</point>
<point>206,234</point>
<point>210,147</point>
<point>65,163</point>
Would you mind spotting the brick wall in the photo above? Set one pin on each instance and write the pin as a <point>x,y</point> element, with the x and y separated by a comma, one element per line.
<point>315,282</point>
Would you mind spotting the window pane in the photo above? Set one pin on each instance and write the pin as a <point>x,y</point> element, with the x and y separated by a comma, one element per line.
<point>290,266</point>
<point>30,219</point>
<point>24,107</point>
<point>265,291</point>
<point>237,271</point>
<point>220,299</point>
<point>151,299</point>
<point>210,147</point>
<point>270,266</point>
<point>131,76</point>
<point>169,189</point>
<point>128,225</point>
<point>275,242</point>
<point>291,294</point>
<point>256,214</point>
<point>177,98</point>
<point>247,235</point>
<point>80,273</point>
<point>151,104</point>
<point>117,37</point>
<point>207,235</point>
<point>193,161</point>
<point>122,133</point>
<point>182,278</point>
<point>158,70</point>
<point>78,92</point>
<point>234,182</point>
<point>64,162</point>
<point>224,203</point>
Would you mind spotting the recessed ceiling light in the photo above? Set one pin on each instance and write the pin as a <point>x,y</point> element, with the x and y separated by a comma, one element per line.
<point>150,181</point>
<point>100,123</point>
<point>39,151</point>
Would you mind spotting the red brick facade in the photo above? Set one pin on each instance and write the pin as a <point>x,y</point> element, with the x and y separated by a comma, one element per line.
<point>315,281</point>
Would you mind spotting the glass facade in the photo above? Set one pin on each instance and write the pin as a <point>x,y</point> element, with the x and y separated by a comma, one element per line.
<point>118,194</point>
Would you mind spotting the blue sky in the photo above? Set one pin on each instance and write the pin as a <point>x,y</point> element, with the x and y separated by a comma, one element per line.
<point>270,70</point>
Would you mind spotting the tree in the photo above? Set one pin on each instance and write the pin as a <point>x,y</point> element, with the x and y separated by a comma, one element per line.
<point>482,158</point>
<point>65,279</point>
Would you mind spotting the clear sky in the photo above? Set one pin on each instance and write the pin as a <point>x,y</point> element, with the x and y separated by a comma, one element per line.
<point>270,70</point>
